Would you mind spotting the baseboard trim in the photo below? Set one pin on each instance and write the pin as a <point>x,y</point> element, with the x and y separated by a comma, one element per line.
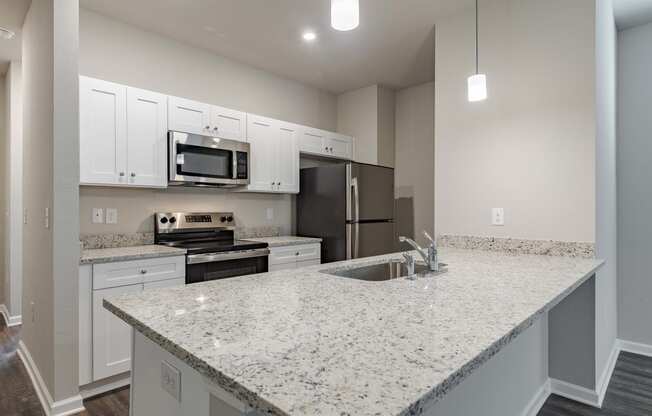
<point>537,402</point>
<point>575,392</point>
<point>65,407</point>
<point>635,347</point>
<point>605,378</point>
<point>101,387</point>
<point>9,320</point>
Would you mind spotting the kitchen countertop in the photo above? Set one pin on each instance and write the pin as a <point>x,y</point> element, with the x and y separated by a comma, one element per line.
<point>108,255</point>
<point>286,240</point>
<point>301,342</point>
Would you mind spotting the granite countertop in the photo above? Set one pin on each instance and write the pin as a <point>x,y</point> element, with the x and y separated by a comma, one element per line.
<point>108,255</point>
<point>286,240</point>
<point>301,342</point>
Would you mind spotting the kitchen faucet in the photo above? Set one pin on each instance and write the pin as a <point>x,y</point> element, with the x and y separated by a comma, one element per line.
<point>429,255</point>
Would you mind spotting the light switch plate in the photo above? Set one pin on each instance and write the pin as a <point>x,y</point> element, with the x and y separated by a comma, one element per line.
<point>171,380</point>
<point>98,216</point>
<point>111,215</point>
<point>498,216</point>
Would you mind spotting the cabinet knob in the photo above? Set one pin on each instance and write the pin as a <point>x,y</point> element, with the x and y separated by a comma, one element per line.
<point>122,174</point>
<point>273,183</point>
<point>216,128</point>
<point>143,271</point>
<point>296,254</point>
<point>208,127</point>
<point>133,174</point>
<point>331,150</point>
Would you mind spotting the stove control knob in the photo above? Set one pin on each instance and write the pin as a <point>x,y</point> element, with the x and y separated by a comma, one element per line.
<point>230,219</point>
<point>173,220</point>
<point>223,219</point>
<point>164,220</point>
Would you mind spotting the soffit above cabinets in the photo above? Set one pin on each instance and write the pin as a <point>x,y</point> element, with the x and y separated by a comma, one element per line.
<point>393,46</point>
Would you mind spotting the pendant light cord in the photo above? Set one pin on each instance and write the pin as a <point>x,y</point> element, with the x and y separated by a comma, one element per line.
<point>477,68</point>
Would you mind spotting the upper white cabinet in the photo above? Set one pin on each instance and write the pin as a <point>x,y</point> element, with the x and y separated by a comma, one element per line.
<point>102,132</point>
<point>199,118</point>
<point>323,143</point>
<point>274,155</point>
<point>122,136</point>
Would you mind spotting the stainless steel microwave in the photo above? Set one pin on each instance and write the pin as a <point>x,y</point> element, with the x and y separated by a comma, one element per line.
<point>197,160</point>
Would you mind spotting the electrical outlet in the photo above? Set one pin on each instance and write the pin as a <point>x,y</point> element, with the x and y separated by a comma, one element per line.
<point>111,215</point>
<point>98,216</point>
<point>171,380</point>
<point>498,216</point>
<point>33,309</point>
<point>270,214</point>
<point>25,216</point>
<point>47,217</point>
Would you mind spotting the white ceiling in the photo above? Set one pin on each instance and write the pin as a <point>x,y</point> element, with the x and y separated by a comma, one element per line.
<point>394,44</point>
<point>631,13</point>
<point>12,16</point>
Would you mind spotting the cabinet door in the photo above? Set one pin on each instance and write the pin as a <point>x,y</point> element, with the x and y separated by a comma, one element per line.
<point>262,134</point>
<point>189,116</point>
<point>123,273</point>
<point>111,336</point>
<point>312,141</point>
<point>146,138</point>
<point>102,132</point>
<point>228,124</point>
<point>287,157</point>
<point>283,255</point>
<point>340,146</point>
<point>164,268</point>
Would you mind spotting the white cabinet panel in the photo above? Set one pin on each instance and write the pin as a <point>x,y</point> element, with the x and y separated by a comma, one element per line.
<point>228,124</point>
<point>189,116</point>
<point>262,135</point>
<point>286,266</point>
<point>283,255</point>
<point>122,273</point>
<point>308,263</point>
<point>85,324</point>
<point>111,336</point>
<point>340,146</point>
<point>312,140</point>
<point>146,138</point>
<point>180,281</point>
<point>308,252</point>
<point>287,156</point>
<point>102,132</point>
<point>290,257</point>
<point>163,268</point>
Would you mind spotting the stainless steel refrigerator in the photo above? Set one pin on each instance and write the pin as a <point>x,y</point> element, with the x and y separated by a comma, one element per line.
<point>351,207</point>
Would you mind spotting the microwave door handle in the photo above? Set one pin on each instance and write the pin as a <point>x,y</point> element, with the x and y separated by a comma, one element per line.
<point>234,158</point>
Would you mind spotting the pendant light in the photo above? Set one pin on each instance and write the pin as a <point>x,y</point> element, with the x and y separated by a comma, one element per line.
<point>477,83</point>
<point>345,14</point>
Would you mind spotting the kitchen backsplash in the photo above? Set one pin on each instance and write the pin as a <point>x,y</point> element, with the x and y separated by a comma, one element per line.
<point>519,246</point>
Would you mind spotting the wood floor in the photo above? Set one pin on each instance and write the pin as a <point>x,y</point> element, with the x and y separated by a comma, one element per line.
<point>18,397</point>
<point>629,392</point>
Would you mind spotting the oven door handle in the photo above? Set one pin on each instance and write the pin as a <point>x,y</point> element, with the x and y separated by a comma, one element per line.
<point>229,255</point>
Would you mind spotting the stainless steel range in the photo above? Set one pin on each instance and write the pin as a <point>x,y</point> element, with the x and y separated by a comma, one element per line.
<point>213,252</point>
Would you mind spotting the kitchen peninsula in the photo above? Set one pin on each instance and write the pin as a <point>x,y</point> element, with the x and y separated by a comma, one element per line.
<point>306,342</point>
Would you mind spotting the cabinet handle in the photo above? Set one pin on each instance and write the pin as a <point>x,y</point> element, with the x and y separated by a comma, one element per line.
<point>122,174</point>
<point>273,183</point>
<point>133,174</point>
<point>297,253</point>
<point>279,184</point>
<point>216,128</point>
<point>143,271</point>
<point>331,150</point>
<point>208,127</point>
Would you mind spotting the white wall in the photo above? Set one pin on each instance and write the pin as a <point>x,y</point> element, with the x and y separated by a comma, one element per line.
<point>4,188</point>
<point>386,126</point>
<point>122,53</point>
<point>415,154</point>
<point>530,148</point>
<point>606,284</point>
<point>634,179</point>
<point>357,116</point>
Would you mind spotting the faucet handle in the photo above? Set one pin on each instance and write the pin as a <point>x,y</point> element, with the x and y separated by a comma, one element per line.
<point>429,238</point>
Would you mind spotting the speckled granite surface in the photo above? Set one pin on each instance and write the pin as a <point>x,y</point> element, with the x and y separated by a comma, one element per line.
<point>107,255</point>
<point>286,240</point>
<point>517,246</point>
<point>114,240</point>
<point>255,232</point>
<point>301,342</point>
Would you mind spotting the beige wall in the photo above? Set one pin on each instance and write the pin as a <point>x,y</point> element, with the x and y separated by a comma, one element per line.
<point>165,65</point>
<point>415,153</point>
<point>357,116</point>
<point>530,148</point>
<point>4,182</point>
<point>386,126</point>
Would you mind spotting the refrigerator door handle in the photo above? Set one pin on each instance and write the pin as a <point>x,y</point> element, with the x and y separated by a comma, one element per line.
<point>356,226</point>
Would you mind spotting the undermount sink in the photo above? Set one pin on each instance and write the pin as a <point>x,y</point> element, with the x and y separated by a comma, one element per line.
<point>389,270</point>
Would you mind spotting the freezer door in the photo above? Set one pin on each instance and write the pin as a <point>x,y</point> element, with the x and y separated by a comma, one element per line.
<point>370,193</point>
<point>369,239</point>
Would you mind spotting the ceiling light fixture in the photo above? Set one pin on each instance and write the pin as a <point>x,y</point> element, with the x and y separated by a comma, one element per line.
<point>309,36</point>
<point>477,84</point>
<point>6,33</point>
<point>345,14</point>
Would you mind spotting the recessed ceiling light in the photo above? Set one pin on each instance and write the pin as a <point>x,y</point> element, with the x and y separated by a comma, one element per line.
<point>309,36</point>
<point>6,33</point>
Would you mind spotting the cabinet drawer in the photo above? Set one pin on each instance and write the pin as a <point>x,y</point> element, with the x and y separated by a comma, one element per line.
<point>308,263</point>
<point>293,254</point>
<point>116,274</point>
<point>164,268</point>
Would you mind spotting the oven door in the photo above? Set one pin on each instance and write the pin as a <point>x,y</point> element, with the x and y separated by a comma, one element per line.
<point>205,267</point>
<point>204,160</point>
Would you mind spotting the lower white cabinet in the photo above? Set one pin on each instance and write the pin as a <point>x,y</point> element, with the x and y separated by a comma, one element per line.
<point>293,257</point>
<point>104,339</point>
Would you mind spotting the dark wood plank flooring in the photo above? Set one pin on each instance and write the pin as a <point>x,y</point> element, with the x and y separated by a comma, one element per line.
<point>629,392</point>
<point>18,397</point>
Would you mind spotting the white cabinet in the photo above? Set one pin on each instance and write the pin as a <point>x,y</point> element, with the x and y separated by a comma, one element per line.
<point>274,155</point>
<point>194,117</point>
<point>104,339</point>
<point>123,135</point>
<point>102,131</point>
<point>324,143</point>
<point>294,256</point>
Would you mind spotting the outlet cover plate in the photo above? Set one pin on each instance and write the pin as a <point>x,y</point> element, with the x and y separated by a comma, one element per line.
<point>171,380</point>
